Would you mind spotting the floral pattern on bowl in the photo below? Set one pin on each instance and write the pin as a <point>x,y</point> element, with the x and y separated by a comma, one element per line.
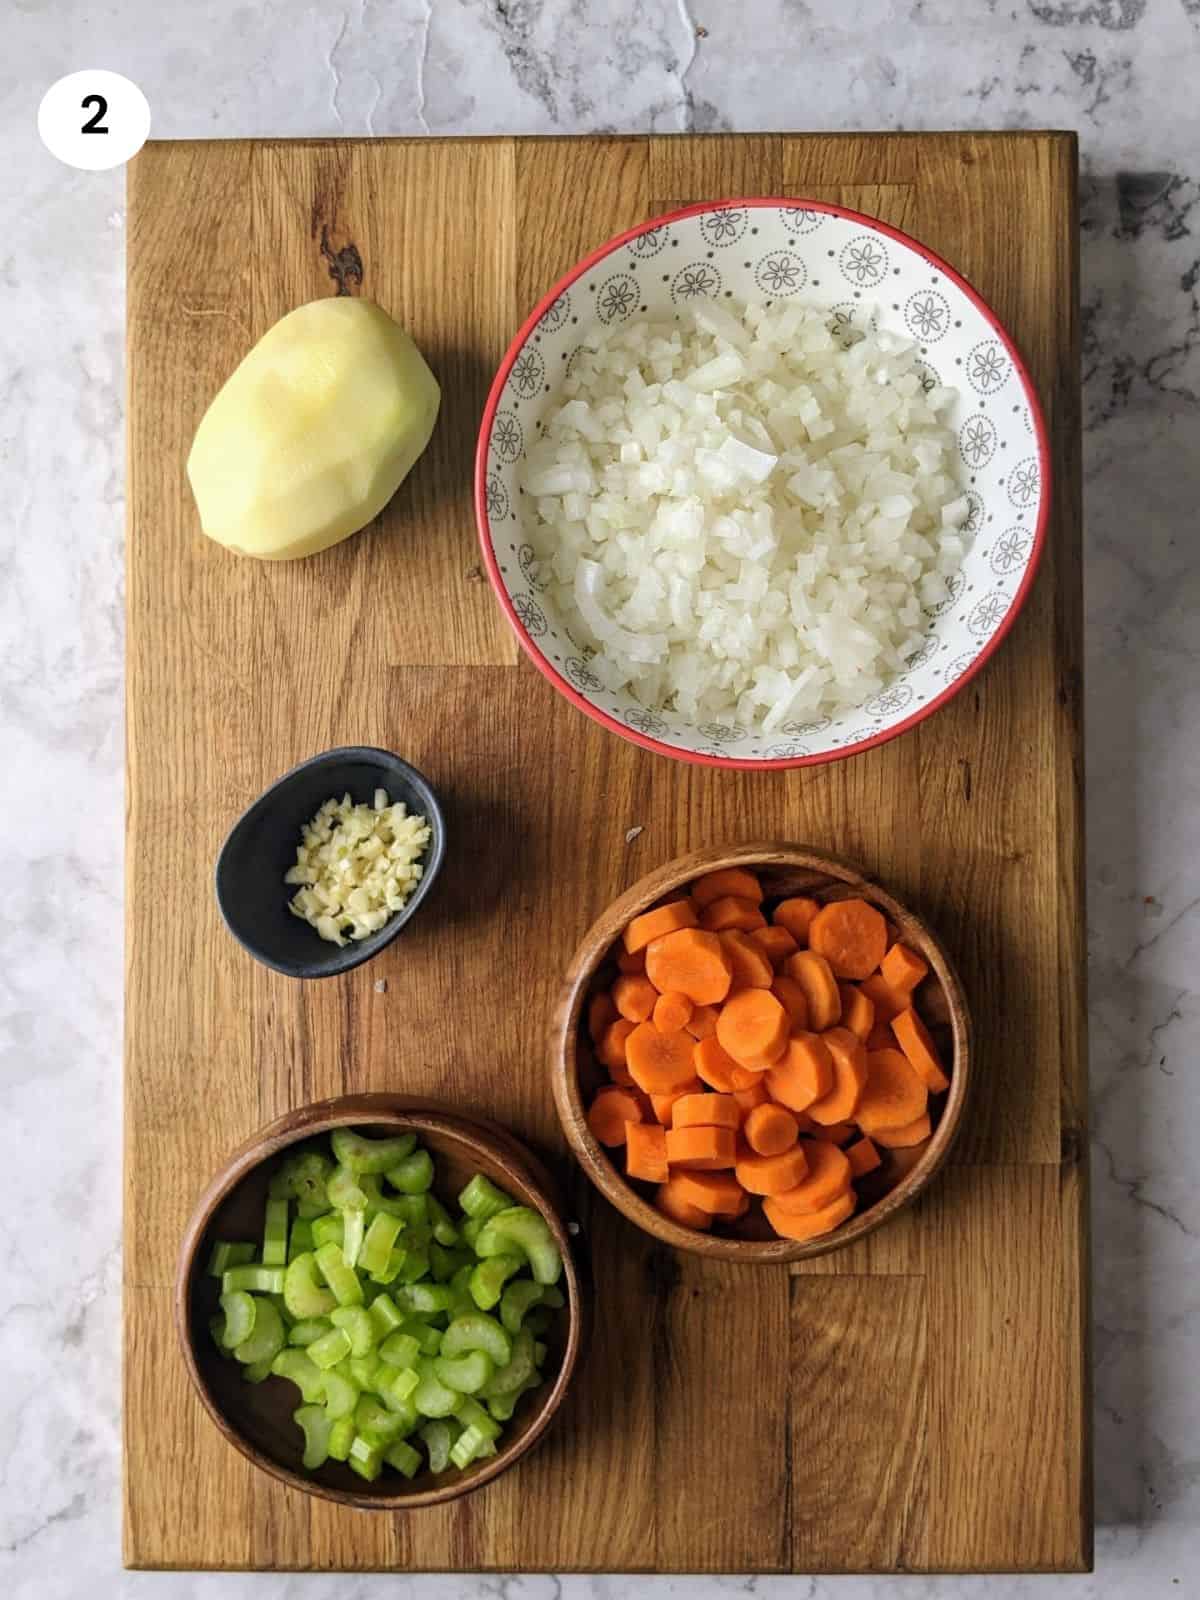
<point>759,251</point>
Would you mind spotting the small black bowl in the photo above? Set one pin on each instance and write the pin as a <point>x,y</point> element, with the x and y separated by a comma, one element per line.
<point>261,846</point>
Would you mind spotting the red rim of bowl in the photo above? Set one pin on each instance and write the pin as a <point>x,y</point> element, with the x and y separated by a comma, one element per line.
<point>484,523</point>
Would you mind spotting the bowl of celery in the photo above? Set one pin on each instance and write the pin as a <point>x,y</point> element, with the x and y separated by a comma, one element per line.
<point>378,1301</point>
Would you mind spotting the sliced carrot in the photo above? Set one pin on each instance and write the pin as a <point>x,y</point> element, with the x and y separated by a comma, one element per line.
<point>631,963</point>
<point>791,997</point>
<point>658,1062</point>
<point>646,1152</point>
<point>753,1028</point>
<point>769,1130</point>
<point>610,1111</point>
<point>706,1111</point>
<point>661,920</point>
<point>600,1016</point>
<point>894,1094</point>
<point>744,1078</point>
<point>903,969</point>
<point>815,976</point>
<point>913,1038</point>
<point>803,1074</point>
<point>730,911</point>
<point>858,1011</point>
<point>690,961</point>
<point>883,997</point>
<point>672,1204</point>
<point>915,1132</point>
<point>851,935</point>
<point>863,1157</point>
<point>827,1177</point>
<point>881,1037</point>
<point>776,943</point>
<point>634,997</point>
<point>713,1063</point>
<point>771,1174</point>
<point>751,967</point>
<point>833,1132</point>
<point>728,881</point>
<point>672,1012</point>
<point>663,1105</point>
<point>796,916</point>
<point>705,1149</point>
<point>810,1225</point>
<point>611,1051</point>
<point>702,1023</point>
<point>849,1077</point>
<point>755,1095</point>
<point>718,1194</point>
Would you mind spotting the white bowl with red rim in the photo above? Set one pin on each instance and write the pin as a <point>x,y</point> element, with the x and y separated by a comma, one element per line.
<point>762,251</point>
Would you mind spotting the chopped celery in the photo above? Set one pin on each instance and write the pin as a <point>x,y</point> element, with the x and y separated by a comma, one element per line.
<point>444,1230</point>
<point>297,1368</point>
<point>527,1231</point>
<point>518,1298</point>
<point>216,1326</point>
<point>266,1340</point>
<point>431,1397</point>
<point>360,1154</point>
<point>375,1423</point>
<point>413,1175</point>
<point>256,1371</point>
<point>280,1305</point>
<point>470,1230</point>
<point>275,1234</point>
<point>429,1339</point>
<point>539,1354</point>
<point>376,1249</point>
<point>399,1350</point>
<point>345,1192</point>
<point>538,1320</point>
<point>362,1370</point>
<point>353,1233</point>
<point>467,1446</point>
<point>481,1199</point>
<point>330,1348</point>
<point>437,1437</point>
<point>508,1379</point>
<point>554,1298</point>
<point>467,1373</point>
<point>315,1425</point>
<point>302,1293</point>
<point>306,1210</point>
<point>397,1387</point>
<point>341,1394</point>
<point>424,1298</point>
<point>328,1229</point>
<point>356,1320</point>
<point>308,1330</point>
<point>385,1316</point>
<point>340,1277</point>
<point>341,1437</point>
<point>365,1458</point>
<point>240,1312</point>
<point>415,1265</point>
<point>477,1331</point>
<point>489,1277</point>
<point>225,1255</point>
<point>404,1458</point>
<point>259,1280</point>
<point>472,1415</point>
<point>502,1406</point>
<point>444,1263</point>
<point>302,1177</point>
<point>414,1208</point>
<point>392,1205</point>
<point>300,1239</point>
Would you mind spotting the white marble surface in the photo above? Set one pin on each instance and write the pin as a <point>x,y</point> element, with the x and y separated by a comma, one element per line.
<point>1121,71</point>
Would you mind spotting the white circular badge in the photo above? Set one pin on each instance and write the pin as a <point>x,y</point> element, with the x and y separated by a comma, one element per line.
<point>94,120</point>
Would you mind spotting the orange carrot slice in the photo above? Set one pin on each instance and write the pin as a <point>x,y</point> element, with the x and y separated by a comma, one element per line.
<point>706,1111</point>
<point>730,911</point>
<point>712,1062</point>
<point>913,1038</point>
<point>883,997</point>
<point>791,997</point>
<point>744,1078</point>
<point>735,881</point>
<point>646,1152</point>
<point>611,1051</point>
<point>663,1105</point>
<point>659,1062</point>
<point>690,961</point>
<point>894,1094</point>
<point>810,1225</point>
<point>915,1132</point>
<point>803,1074</point>
<point>753,1028</point>
<point>672,1204</point>
<point>755,1095</point>
<point>849,1077</point>
<point>702,1023</point>
<point>631,963</point>
<point>827,1177</point>
<point>903,969</point>
<point>863,1157</point>
<point>751,968</point>
<point>706,1149</point>
<point>833,1132</point>
<point>769,1129</point>
<point>815,976</point>
<point>661,920</point>
<point>851,935</point>
<point>771,1174</point>
<point>672,1012</point>
<point>610,1111</point>
<point>881,1037</point>
<point>600,1016</point>
<point>776,943</point>
<point>717,1194</point>
<point>858,1012</point>
<point>796,916</point>
<point>634,997</point>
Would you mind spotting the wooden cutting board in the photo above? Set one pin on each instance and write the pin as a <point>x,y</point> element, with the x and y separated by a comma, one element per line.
<point>916,1403</point>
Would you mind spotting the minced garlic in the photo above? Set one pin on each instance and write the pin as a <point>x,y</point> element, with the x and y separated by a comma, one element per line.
<point>358,865</point>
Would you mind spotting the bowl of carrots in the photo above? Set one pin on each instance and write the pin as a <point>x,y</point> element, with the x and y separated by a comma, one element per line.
<point>760,1054</point>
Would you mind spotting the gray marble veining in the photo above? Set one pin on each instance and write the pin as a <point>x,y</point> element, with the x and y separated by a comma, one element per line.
<point>1121,71</point>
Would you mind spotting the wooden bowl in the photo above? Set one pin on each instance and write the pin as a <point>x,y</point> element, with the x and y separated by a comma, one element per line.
<point>785,869</point>
<point>257,1418</point>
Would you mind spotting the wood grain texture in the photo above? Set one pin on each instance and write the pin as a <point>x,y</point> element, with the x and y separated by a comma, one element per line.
<point>942,1362</point>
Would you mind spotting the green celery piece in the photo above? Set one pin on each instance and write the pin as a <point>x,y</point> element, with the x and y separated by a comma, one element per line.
<point>470,1231</point>
<point>376,1250</point>
<point>302,1177</point>
<point>490,1276</point>
<point>225,1255</point>
<point>429,1339</point>
<point>467,1373</point>
<point>539,1354</point>
<point>404,1458</point>
<point>502,1406</point>
<point>539,1320</point>
<point>431,1397</point>
<point>444,1263</point>
<point>306,1210</point>
<point>527,1231</point>
<point>478,1331</point>
<point>361,1154</point>
<point>308,1331</point>
<point>275,1234</point>
<point>424,1298</point>
<point>345,1192</point>
<point>519,1297</point>
<point>413,1175</point>
<point>328,1229</point>
<point>396,1387</point>
<point>280,1305</point>
<point>330,1348</point>
<point>300,1239</point>
<point>256,1371</point>
<point>375,1423</point>
<point>518,1370</point>
<point>353,1234</point>
<point>392,1205</point>
<point>472,1415</point>
<point>267,1338</point>
<point>362,1370</point>
<point>340,1277</point>
<point>356,1320</point>
<point>466,1447</point>
<point>444,1229</point>
<point>315,1426</point>
<point>240,1312</point>
<point>341,1437</point>
<point>481,1199</point>
<point>341,1394</point>
<point>297,1368</point>
<point>302,1294</point>
<point>554,1298</point>
<point>385,1316</point>
<point>414,1265</point>
<point>216,1326</point>
<point>399,1350</point>
<point>258,1280</point>
<point>414,1208</point>
<point>437,1437</point>
<point>365,1458</point>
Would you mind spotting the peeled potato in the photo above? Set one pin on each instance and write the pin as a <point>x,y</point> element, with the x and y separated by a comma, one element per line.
<point>313,433</point>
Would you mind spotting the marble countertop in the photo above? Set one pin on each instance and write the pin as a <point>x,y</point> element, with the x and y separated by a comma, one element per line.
<point>1116,70</point>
